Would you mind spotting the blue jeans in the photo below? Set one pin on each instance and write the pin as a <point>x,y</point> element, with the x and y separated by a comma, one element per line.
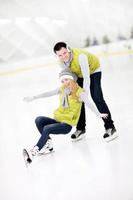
<point>47,126</point>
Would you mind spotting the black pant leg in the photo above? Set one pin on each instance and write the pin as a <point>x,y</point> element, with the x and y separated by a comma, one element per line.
<point>82,119</point>
<point>97,96</point>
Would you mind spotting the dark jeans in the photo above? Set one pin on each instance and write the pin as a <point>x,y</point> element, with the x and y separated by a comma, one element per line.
<point>97,96</point>
<point>47,126</point>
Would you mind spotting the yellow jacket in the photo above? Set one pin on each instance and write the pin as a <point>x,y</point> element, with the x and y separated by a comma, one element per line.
<point>92,60</point>
<point>69,115</point>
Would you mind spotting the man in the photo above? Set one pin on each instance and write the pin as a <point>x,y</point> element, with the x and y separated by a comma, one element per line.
<point>87,67</point>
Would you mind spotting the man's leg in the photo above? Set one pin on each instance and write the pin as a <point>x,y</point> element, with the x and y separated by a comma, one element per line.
<point>80,129</point>
<point>97,96</point>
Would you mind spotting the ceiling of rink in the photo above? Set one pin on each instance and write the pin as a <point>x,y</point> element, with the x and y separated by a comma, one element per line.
<point>32,27</point>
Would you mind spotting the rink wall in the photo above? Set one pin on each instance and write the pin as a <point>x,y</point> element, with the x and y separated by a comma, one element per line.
<point>102,51</point>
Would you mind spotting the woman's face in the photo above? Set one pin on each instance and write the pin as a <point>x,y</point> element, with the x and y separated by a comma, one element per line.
<point>66,82</point>
<point>70,84</point>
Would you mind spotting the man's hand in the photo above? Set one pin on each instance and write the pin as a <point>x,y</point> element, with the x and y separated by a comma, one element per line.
<point>103,115</point>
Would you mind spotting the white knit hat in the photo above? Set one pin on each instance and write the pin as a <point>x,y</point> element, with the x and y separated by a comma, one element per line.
<point>67,74</point>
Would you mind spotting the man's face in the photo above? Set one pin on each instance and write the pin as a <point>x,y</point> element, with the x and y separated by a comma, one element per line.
<point>63,54</point>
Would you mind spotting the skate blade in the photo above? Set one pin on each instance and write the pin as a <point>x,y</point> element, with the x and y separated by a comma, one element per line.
<point>79,138</point>
<point>112,137</point>
<point>27,159</point>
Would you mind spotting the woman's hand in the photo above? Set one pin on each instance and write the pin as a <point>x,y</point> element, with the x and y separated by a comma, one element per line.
<point>29,99</point>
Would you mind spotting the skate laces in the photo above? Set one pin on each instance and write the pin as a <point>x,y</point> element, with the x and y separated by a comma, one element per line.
<point>47,147</point>
<point>34,151</point>
<point>109,131</point>
<point>48,144</point>
<point>77,132</point>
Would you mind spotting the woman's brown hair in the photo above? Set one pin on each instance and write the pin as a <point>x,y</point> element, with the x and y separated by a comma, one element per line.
<point>73,87</point>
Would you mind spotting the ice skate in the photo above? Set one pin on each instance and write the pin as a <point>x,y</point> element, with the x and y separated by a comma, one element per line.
<point>48,148</point>
<point>30,154</point>
<point>78,135</point>
<point>110,134</point>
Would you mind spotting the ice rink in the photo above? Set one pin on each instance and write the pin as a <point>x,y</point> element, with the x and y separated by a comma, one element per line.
<point>90,169</point>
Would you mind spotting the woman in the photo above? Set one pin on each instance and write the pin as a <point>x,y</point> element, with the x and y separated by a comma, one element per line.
<point>65,116</point>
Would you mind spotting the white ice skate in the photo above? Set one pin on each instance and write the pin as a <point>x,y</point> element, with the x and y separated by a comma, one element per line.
<point>48,148</point>
<point>30,154</point>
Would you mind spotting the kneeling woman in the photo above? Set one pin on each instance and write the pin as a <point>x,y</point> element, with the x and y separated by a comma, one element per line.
<point>65,116</point>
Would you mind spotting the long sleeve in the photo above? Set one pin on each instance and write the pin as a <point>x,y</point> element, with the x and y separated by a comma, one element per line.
<point>45,94</point>
<point>83,97</point>
<point>48,94</point>
<point>83,61</point>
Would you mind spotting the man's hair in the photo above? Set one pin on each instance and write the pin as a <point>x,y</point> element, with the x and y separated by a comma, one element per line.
<point>58,46</point>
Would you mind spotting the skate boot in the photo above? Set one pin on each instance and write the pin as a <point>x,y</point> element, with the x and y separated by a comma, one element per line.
<point>110,134</point>
<point>47,148</point>
<point>30,154</point>
<point>78,135</point>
